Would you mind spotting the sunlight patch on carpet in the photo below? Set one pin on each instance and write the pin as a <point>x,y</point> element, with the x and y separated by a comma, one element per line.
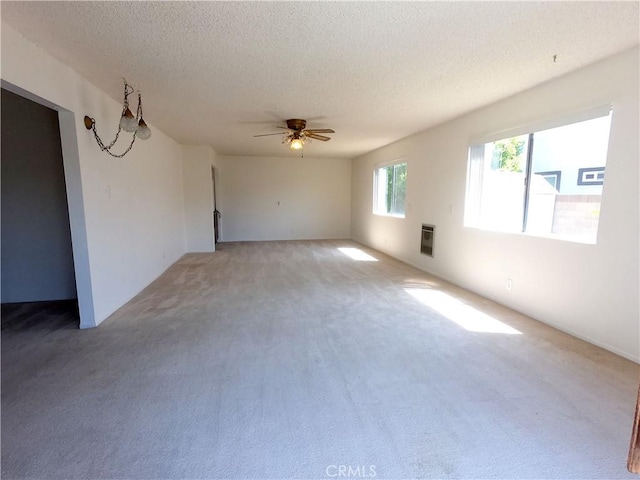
<point>458,312</point>
<point>357,254</point>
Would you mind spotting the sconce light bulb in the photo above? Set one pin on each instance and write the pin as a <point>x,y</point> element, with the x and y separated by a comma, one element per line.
<point>128,122</point>
<point>143,132</point>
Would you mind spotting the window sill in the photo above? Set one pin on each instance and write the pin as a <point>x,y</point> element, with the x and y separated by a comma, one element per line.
<point>584,240</point>
<point>388,215</point>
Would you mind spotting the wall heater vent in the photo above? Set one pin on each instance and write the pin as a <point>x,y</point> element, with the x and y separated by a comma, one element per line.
<point>426,240</point>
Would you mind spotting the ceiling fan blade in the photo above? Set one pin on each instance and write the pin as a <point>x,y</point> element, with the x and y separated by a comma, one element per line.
<point>267,134</point>
<point>320,130</point>
<point>315,136</point>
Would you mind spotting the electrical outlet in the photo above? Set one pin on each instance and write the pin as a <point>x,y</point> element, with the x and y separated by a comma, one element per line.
<point>509,284</point>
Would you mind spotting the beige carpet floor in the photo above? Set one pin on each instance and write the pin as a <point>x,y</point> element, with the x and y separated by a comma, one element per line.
<point>297,360</point>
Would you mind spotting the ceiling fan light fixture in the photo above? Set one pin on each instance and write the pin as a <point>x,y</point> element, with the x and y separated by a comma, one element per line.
<point>297,134</point>
<point>296,144</point>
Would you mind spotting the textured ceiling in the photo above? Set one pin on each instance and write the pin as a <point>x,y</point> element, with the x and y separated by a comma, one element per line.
<point>217,73</point>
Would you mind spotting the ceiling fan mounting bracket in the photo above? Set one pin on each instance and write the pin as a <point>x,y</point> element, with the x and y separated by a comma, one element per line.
<point>296,124</point>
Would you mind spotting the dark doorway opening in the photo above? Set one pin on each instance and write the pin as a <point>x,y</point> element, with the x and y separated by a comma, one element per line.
<point>216,212</point>
<point>39,316</point>
<point>37,259</point>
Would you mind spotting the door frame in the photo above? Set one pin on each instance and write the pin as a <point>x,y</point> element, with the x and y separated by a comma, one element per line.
<point>75,202</point>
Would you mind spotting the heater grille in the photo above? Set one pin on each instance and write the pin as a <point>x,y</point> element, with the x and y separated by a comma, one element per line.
<point>426,239</point>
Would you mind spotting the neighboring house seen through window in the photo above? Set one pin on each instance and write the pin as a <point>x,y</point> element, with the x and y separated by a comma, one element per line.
<point>546,183</point>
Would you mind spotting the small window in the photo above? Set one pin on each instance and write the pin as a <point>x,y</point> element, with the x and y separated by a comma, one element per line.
<point>546,183</point>
<point>390,190</point>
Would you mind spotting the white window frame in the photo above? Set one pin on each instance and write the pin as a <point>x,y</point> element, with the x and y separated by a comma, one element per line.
<point>379,187</point>
<point>472,192</point>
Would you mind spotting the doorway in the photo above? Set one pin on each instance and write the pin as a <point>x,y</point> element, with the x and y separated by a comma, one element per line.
<point>37,256</point>
<point>216,212</point>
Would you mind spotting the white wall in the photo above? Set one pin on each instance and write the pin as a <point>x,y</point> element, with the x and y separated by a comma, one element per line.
<point>588,290</point>
<point>278,198</point>
<point>197,162</point>
<point>127,217</point>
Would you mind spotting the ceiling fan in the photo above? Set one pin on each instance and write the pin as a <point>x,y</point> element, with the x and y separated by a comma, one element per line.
<point>297,133</point>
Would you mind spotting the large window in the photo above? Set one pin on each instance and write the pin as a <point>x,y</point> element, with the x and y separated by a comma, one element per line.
<point>546,183</point>
<point>390,189</point>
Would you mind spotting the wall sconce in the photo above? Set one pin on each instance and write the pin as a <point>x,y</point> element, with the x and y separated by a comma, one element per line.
<point>128,123</point>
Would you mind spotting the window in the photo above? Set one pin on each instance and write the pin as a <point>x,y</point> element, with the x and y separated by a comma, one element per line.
<point>546,183</point>
<point>390,189</point>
